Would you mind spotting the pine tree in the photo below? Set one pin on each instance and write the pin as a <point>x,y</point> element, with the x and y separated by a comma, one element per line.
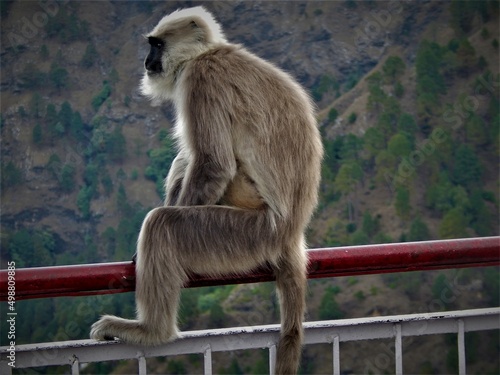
<point>116,145</point>
<point>466,57</point>
<point>374,141</point>
<point>37,134</point>
<point>476,131</point>
<point>58,76</point>
<point>370,225</point>
<point>51,114</point>
<point>399,146</point>
<point>467,170</point>
<point>329,307</point>
<point>418,231</point>
<point>402,202</point>
<point>407,125</point>
<point>89,57</point>
<point>36,104</point>
<point>76,126</point>
<point>393,68</point>
<point>67,180</point>
<point>454,224</point>
<point>65,115</point>
<point>461,16</point>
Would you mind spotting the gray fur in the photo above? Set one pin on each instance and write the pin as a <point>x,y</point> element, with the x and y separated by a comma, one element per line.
<point>241,191</point>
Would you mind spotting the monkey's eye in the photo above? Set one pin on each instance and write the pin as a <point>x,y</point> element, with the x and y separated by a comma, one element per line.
<point>155,42</point>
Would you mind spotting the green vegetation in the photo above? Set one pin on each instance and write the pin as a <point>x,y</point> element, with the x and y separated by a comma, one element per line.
<point>351,119</point>
<point>101,97</point>
<point>58,76</point>
<point>11,175</point>
<point>325,84</point>
<point>329,308</point>
<point>332,115</point>
<point>160,161</point>
<point>67,179</point>
<point>393,68</point>
<point>37,134</point>
<point>66,26</point>
<point>89,57</point>
<point>402,203</point>
<point>29,248</point>
<point>418,231</point>
<point>36,104</point>
<point>32,77</point>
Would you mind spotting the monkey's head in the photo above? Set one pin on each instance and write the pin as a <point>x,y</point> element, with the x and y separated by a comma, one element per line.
<point>179,37</point>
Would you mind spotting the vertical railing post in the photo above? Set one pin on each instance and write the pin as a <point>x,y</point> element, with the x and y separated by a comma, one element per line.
<point>461,348</point>
<point>207,361</point>
<point>75,366</point>
<point>336,355</point>
<point>272,359</point>
<point>142,365</point>
<point>398,349</point>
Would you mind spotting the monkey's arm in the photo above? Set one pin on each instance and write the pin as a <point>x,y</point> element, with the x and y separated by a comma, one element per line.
<point>206,180</point>
<point>208,141</point>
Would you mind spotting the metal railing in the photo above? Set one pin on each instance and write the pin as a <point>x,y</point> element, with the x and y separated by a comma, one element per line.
<point>370,259</point>
<point>119,277</point>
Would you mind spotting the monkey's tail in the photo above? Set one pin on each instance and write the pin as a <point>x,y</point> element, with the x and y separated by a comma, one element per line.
<point>291,281</point>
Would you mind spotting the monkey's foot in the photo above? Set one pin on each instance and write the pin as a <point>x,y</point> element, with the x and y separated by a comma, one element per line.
<point>105,329</point>
<point>110,327</point>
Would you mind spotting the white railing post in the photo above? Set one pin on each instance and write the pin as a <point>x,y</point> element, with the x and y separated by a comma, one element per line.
<point>398,350</point>
<point>207,360</point>
<point>272,359</point>
<point>336,355</point>
<point>142,365</point>
<point>462,370</point>
<point>75,366</point>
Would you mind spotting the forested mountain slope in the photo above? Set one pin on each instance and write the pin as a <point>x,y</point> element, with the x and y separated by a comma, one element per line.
<point>408,106</point>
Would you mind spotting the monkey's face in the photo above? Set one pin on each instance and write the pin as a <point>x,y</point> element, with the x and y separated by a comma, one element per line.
<point>173,43</point>
<point>158,82</point>
<point>153,62</point>
<point>169,51</point>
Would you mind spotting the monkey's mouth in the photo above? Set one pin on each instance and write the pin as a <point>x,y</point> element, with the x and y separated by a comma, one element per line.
<point>152,73</point>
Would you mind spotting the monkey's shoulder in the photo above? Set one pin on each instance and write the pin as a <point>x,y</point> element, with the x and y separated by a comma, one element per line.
<point>230,62</point>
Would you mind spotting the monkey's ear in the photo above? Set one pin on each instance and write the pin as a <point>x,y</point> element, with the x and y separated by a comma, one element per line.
<point>199,29</point>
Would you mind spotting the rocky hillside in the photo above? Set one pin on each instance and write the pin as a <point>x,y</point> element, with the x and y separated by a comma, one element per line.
<point>408,105</point>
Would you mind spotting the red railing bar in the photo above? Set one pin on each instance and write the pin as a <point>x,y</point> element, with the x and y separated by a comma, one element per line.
<point>119,277</point>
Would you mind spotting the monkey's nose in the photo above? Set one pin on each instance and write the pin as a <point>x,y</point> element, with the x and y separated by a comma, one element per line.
<point>152,66</point>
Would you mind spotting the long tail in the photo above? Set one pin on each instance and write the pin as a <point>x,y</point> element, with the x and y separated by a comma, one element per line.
<point>291,281</point>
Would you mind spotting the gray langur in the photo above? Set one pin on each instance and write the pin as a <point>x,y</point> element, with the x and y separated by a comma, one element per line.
<point>240,192</point>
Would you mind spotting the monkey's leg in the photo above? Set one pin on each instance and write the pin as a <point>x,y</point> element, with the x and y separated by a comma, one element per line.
<point>177,240</point>
<point>159,279</point>
<point>291,281</point>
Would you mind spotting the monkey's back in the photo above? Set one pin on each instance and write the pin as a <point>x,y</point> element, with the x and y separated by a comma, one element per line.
<point>263,109</point>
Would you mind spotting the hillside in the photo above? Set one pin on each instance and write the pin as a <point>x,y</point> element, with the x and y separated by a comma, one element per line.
<point>408,106</point>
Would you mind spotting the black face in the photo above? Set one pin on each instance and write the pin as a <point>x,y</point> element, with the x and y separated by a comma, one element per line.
<point>153,61</point>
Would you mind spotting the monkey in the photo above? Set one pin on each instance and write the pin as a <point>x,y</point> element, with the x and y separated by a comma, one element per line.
<point>242,189</point>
